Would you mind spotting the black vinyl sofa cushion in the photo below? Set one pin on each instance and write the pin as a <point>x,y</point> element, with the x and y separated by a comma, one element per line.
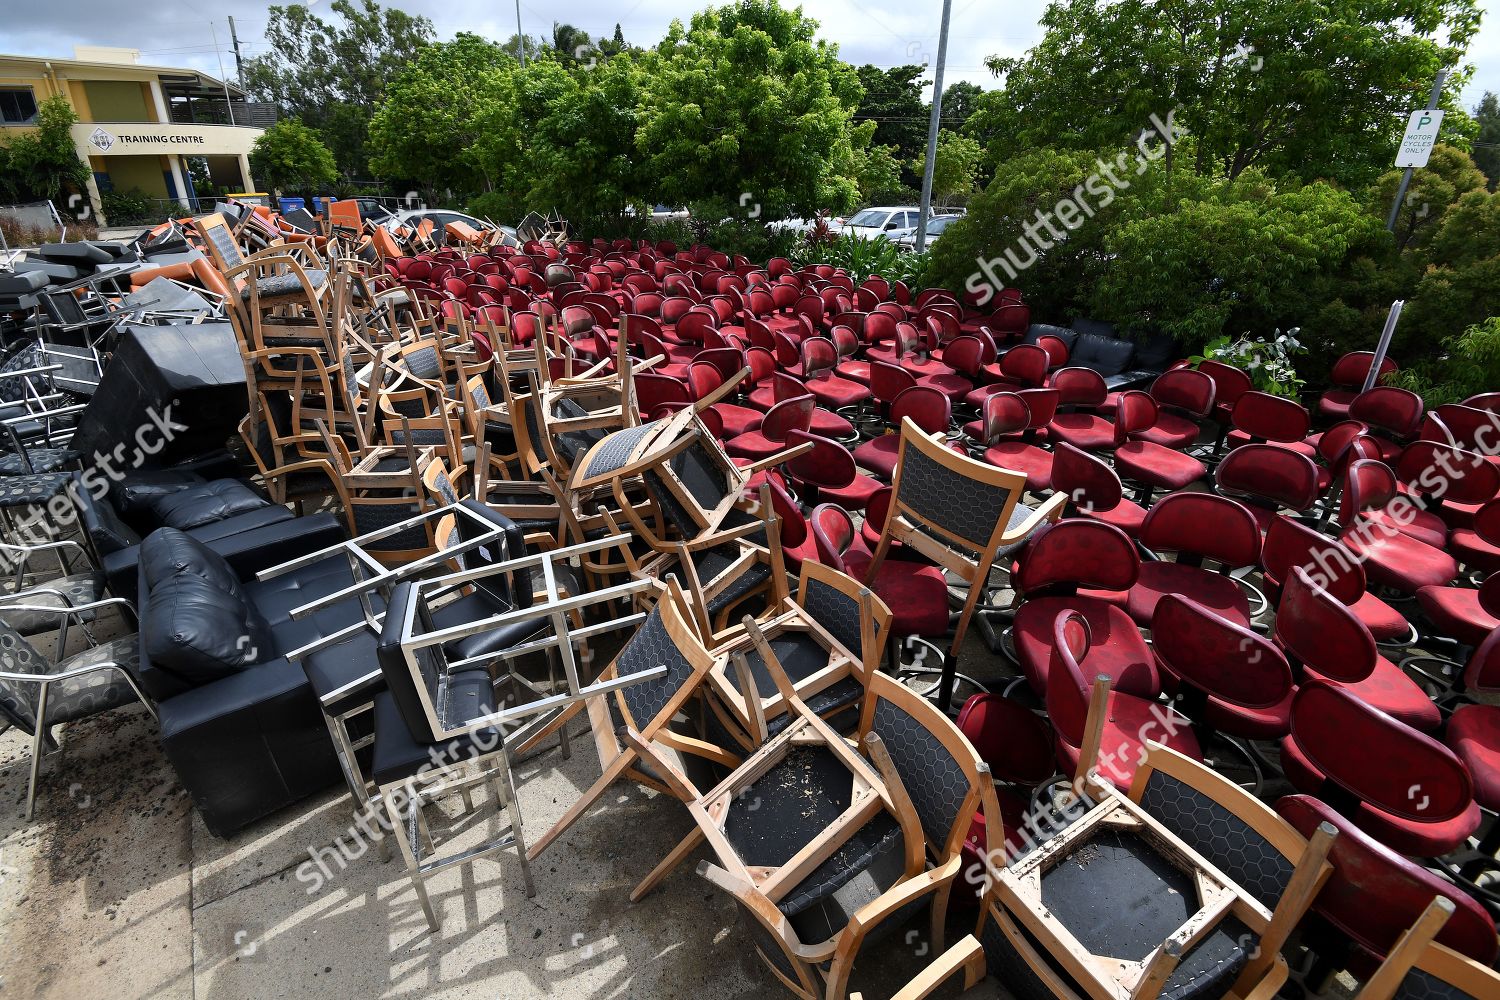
<point>1039,330</point>
<point>206,503</point>
<point>199,634</point>
<point>170,552</point>
<point>1103,354</point>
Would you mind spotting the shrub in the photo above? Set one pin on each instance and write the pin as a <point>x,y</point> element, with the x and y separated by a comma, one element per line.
<point>1468,365</point>
<point>131,207</point>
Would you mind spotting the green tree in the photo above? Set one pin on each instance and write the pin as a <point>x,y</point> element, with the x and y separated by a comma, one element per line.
<point>960,100</point>
<point>956,168</point>
<point>874,167</point>
<point>43,163</point>
<point>332,74</point>
<point>571,44</point>
<point>1449,174</point>
<point>290,157</point>
<point>448,120</point>
<point>1304,88</point>
<point>1487,141</point>
<point>1456,289</point>
<point>893,101</point>
<point>746,106</point>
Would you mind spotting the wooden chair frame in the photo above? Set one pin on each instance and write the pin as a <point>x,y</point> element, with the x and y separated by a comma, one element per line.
<point>1417,949</point>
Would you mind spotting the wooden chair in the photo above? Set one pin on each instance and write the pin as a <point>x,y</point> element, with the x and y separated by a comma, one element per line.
<point>1420,967</point>
<point>966,957</point>
<point>962,515</point>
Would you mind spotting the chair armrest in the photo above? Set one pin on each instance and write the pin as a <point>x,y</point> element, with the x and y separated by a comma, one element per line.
<point>967,956</point>
<point>68,609</point>
<point>1050,510</point>
<point>882,907</point>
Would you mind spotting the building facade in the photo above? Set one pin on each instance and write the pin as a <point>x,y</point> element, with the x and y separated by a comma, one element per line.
<point>139,125</point>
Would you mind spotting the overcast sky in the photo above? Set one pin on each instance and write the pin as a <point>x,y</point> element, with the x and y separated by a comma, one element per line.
<point>883,32</point>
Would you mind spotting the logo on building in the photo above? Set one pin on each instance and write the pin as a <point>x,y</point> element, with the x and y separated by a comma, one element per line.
<point>102,139</point>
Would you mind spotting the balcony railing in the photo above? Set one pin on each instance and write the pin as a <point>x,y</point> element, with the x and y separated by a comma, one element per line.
<point>257,114</point>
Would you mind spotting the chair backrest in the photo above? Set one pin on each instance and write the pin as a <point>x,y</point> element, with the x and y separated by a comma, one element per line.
<point>1217,657</point>
<point>833,533</point>
<point>1042,403</point>
<point>1004,413</point>
<point>828,465</point>
<point>18,699</point>
<point>888,381</point>
<point>1186,389</point>
<point>1369,484</point>
<point>1338,445</point>
<point>1377,760</point>
<point>938,766</point>
<point>1087,480</point>
<point>950,494</point>
<point>1389,408</point>
<point>1318,630</point>
<point>1067,695</point>
<point>1077,553</point>
<point>925,407</point>
<point>835,601</point>
<point>1290,544</point>
<point>653,390</point>
<point>1202,526</point>
<point>1230,383</point>
<point>819,356</point>
<point>1056,348</point>
<point>1027,364</point>
<point>1374,894</point>
<point>1078,386</point>
<point>1135,412</point>
<point>1351,370</point>
<point>666,639</point>
<point>1265,417</point>
<point>1268,472</point>
<point>1240,835</point>
<point>965,355</point>
<point>788,415</point>
<point>1442,471</point>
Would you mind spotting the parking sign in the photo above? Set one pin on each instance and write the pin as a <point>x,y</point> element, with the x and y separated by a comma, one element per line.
<point>1421,133</point>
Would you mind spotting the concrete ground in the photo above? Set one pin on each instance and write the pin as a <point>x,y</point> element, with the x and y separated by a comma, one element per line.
<point>117,889</point>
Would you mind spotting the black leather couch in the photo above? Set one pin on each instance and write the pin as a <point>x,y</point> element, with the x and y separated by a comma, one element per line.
<point>229,516</point>
<point>239,722</point>
<point>1124,363</point>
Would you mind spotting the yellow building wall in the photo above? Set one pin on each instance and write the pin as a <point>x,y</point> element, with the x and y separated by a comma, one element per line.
<point>144,173</point>
<point>117,102</point>
<point>79,98</point>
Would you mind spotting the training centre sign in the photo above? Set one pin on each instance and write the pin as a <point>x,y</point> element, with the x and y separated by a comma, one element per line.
<point>148,138</point>
<point>1421,133</point>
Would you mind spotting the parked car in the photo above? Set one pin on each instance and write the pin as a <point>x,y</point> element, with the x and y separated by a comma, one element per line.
<point>907,239</point>
<point>877,222</point>
<point>371,210</point>
<point>442,216</point>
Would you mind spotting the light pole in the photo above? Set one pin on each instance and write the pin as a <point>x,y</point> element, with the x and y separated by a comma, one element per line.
<point>520,38</point>
<point>932,128</point>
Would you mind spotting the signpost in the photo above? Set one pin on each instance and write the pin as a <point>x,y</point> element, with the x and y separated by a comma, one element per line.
<point>1417,143</point>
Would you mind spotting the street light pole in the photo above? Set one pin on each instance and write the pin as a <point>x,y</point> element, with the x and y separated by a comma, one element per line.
<point>520,38</point>
<point>932,128</point>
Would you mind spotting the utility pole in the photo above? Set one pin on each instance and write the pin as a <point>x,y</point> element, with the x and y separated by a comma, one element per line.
<point>520,38</point>
<point>1432,103</point>
<point>932,128</point>
<point>223,77</point>
<point>239,64</point>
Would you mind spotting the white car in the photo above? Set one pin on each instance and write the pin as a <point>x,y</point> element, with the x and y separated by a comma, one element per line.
<point>441,217</point>
<point>877,222</point>
<point>907,239</point>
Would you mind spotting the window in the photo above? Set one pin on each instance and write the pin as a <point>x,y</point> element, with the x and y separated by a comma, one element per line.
<point>869,217</point>
<point>17,105</point>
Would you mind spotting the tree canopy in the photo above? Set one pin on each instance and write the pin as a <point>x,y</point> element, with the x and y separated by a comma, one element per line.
<point>330,74</point>
<point>43,163</point>
<point>290,157</point>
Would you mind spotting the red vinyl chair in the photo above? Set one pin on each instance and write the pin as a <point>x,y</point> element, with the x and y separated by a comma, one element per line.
<point>1153,466</point>
<point>1022,367</point>
<point>1326,641</point>
<point>705,378</point>
<point>927,408</point>
<point>1370,516</point>
<point>1394,416</point>
<point>1129,722</point>
<point>1199,528</point>
<point>1009,435</point>
<point>1402,787</point>
<point>1348,378</point>
<point>1374,895</point>
<point>1016,743</point>
<point>797,541</point>
<point>770,438</point>
<point>1463,614</point>
<point>1261,418</point>
<point>965,357</point>
<point>1290,543</point>
<point>783,387</point>
<point>1473,732</point>
<point>1434,472</point>
<point>1268,479</point>
<point>1478,547</point>
<point>1062,559</point>
<point>828,473</point>
<point>819,359</point>
<point>1230,383</point>
<point>1080,392</point>
<point>1093,489</point>
<point>1185,398</point>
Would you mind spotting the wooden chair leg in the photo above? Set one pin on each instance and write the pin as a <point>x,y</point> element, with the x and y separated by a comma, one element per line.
<point>668,864</point>
<point>611,774</point>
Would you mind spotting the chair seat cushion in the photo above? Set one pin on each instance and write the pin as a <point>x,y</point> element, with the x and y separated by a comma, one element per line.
<point>924,367</point>
<point>855,496</point>
<point>1156,465</point>
<point>1087,431</point>
<point>195,506</point>
<point>754,445</point>
<point>837,392</point>
<point>1309,447</point>
<point>285,284</point>
<point>1474,735</point>
<point>1473,551</point>
<point>1132,720</point>
<point>1268,723</point>
<point>1127,515</point>
<point>399,756</point>
<point>1397,695</point>
<point>1219,594</point>
<point>80,588</point>
<point>1457,614</point>
<point>916,593</point>
<point>1385,623</point>
<point>1409,837</point>
<point>1170,431</point>
<point>96,691</point>
<point>43,460</point>
<point>952,385</point>
<point>1116,645</point>
<point>855,371</point>
<point>1423,525</point>
<point>1333,405</point>
<point>26,491</point>
<point>1027,459</point>
<point>738,419</point>
<point>1398,560</point>
<point>826,423</point>
<point>879,455</point>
